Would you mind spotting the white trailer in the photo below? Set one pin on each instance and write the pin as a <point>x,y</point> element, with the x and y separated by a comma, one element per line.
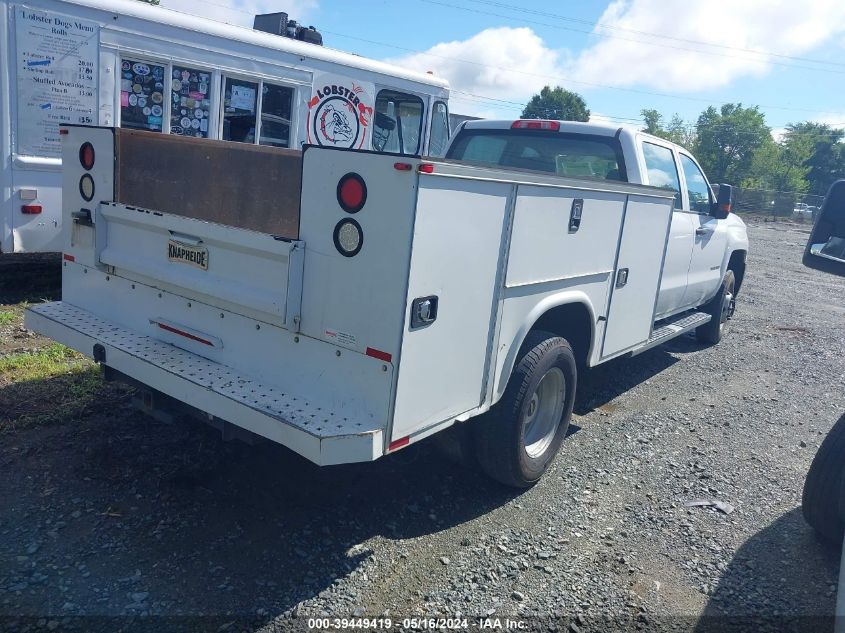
<point>124,63</point>
<point>408,295</point>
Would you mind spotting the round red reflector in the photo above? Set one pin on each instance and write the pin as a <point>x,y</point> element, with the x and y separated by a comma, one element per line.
<point>352,193</point>
<point>86,155</point>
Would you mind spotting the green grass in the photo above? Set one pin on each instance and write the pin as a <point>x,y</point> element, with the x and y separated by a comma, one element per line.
<point>7,318</point>
<point>49,361</point>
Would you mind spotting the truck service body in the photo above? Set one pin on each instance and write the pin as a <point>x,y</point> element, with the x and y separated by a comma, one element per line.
<point>399,295</point>
<point>124,63</point>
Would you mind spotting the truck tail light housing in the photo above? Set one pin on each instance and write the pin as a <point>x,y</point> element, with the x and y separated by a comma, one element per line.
<point>86,156</point>
<point>86,187</point>
<point>31,209</point>
<point>352,193</point>
<point>536,124</point>
<point>348,237</point>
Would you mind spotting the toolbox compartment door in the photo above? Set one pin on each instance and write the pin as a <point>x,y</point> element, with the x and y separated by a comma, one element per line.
<point>456,257</point>
<point>636,280</point>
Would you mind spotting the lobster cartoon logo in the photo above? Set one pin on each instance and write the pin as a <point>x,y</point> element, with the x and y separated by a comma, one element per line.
<point>339,113</point>
<point>334,125</point>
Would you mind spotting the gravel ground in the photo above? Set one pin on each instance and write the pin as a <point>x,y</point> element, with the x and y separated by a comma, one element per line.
<point>110,513</point>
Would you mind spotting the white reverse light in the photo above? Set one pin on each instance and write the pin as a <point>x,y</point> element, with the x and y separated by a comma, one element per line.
<point>348,237</point>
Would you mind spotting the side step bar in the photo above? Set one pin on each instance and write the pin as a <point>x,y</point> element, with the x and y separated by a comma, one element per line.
<point>672,328</point>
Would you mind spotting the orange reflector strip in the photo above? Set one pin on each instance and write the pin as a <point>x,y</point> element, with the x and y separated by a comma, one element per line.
<point>402,441</point>
<point>185,334</point>
<point>426,168</point>
<point>69,258</point>
<point>377,353</point>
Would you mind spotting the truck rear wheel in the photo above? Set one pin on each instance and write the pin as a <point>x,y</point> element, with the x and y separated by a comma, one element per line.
<point>822,502</point>
<point>721,309</point>
<point>517,439</point>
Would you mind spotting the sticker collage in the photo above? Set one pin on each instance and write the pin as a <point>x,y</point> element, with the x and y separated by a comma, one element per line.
<point>142,98</point>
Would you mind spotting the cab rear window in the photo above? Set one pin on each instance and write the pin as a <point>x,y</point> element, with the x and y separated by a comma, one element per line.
<point>573,155</point>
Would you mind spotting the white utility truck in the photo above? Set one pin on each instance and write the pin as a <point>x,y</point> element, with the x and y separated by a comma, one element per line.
<point>124,63</point>
<point>348,303</point>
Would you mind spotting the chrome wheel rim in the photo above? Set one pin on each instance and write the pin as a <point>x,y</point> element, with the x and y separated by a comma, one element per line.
<point>542,416</point>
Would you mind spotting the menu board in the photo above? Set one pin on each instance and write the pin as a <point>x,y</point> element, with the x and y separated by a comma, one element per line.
<point>189,90</point>
<point>141,95</point>
<point>57,78</point>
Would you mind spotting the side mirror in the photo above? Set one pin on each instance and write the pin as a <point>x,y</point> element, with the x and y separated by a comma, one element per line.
<point>724,202</point>
<point>826,247</point>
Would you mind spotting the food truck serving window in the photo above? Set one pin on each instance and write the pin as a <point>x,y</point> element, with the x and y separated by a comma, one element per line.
<point>141,95</point>
<point>398,123</point>
<point>239,100</point>
<point>242,102</point>
<point>276,102</point>
<point>190,105</point>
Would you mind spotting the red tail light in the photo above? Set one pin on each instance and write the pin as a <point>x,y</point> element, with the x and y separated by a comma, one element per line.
<point>352,193</point>
<point>86,155</point>
<point>31,209</point>
<point>426,168</point>
<point>536,124</point>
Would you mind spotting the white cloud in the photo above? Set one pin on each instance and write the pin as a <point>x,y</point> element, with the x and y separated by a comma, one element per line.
<point>242,12</point>
<point>598,117</point>
<point>836,120</point>
<point>508,64</point>
<point>769,26</point>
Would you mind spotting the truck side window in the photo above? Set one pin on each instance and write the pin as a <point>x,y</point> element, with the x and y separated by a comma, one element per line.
<point>661,168</point>
<point>398,123</point>
<point>239,99</point>
<point>141,95</point>
<point>275,115</point>
<point>190,103</point>
<point>439,139</point>
<point>697,189</point>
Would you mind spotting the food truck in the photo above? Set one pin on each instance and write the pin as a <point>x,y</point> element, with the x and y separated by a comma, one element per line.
<point>128,64</point>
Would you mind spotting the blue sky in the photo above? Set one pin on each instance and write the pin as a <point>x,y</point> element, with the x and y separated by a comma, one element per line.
<point>677,56</point>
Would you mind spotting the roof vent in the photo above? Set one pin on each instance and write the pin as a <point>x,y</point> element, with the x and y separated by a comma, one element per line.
<point>279,24</point>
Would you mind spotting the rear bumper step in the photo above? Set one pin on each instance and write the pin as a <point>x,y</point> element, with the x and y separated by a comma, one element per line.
<point>311,429</point>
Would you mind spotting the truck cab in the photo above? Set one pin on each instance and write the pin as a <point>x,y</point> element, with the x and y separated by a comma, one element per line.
<point>701,247</point>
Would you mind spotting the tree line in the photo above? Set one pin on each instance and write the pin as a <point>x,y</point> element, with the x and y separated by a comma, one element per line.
<point>734,144</point>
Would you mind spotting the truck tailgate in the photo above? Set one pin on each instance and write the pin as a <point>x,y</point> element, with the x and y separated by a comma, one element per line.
<point>250,273</point>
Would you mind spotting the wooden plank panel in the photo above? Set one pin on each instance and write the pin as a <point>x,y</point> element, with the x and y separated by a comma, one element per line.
<point>247,186</point>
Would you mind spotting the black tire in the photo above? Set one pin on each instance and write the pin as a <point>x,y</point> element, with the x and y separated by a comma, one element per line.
<point>721,309</point>
<point>500,435</point>
<point>822,501</point>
